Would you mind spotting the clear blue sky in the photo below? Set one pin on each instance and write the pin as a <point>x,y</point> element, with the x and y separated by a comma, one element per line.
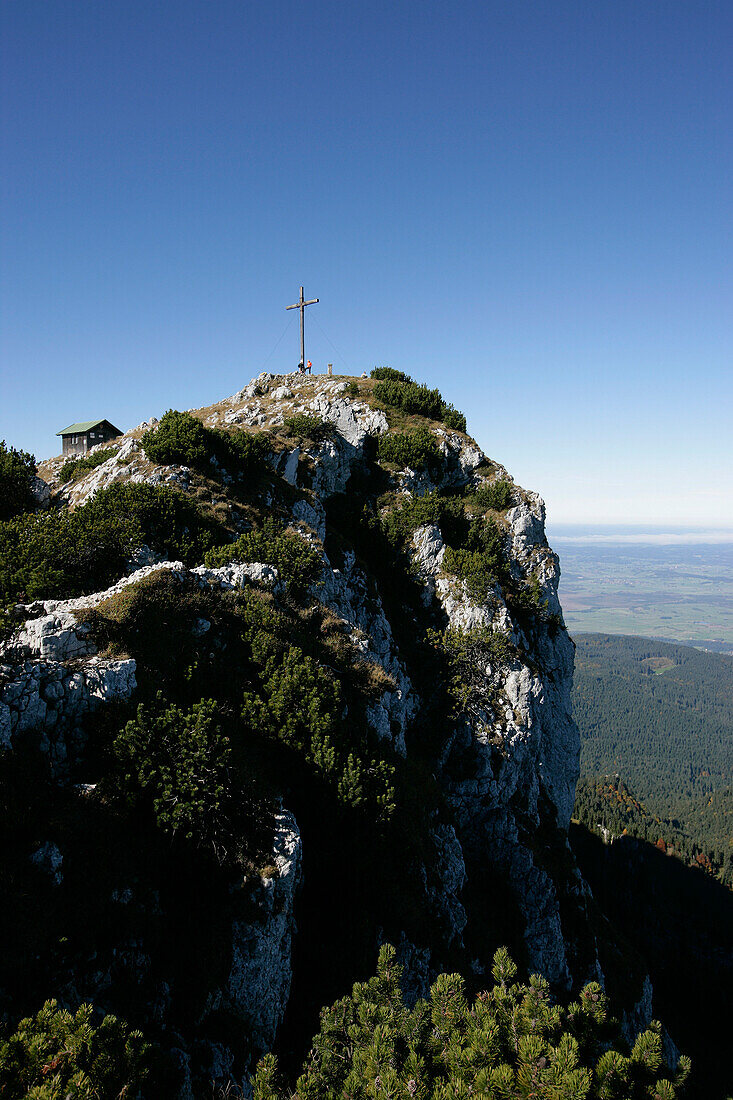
<point>525,204</point>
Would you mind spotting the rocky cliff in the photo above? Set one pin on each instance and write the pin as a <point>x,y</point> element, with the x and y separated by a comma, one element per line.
<point>436,589</point>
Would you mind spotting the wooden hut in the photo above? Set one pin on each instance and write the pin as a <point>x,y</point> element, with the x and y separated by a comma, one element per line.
<point>79,438</point>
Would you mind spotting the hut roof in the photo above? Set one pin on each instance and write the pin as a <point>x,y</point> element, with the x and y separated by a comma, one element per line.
<point>86,426</point>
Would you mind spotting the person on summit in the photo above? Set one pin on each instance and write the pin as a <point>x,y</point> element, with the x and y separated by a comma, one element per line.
<point>309,367</point>
<point>301,368</point>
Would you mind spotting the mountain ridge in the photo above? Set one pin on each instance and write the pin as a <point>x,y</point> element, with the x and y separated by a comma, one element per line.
<point>376,628</point>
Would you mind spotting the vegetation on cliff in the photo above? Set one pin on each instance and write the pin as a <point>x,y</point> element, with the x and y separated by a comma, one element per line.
<point>397,390</point>
<point>58,1054</point>
<point>62,553</point>
<point>185,439</point>
<point>511,1041</point>
<point>75,468</point>
<point>332,685</point>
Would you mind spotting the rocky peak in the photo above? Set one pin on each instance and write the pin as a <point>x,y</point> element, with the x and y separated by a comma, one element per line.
<point>435,574</point>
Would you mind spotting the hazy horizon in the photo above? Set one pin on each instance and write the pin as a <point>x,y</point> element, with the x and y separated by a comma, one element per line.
<point>648,534</point>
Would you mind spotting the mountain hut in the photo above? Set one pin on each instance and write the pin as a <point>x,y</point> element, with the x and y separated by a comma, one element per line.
<point>79,438</point>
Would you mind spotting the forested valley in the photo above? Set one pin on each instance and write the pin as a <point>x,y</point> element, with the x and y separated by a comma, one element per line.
<point>653,823</point>
<point>656,727</point>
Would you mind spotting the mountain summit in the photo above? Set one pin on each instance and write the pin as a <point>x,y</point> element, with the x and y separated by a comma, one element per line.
<point>290,679</point>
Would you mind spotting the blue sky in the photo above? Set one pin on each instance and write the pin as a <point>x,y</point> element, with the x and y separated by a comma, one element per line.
<point>525,204</point>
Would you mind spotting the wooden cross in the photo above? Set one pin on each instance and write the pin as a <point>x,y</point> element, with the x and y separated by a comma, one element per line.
<point>301,304</point>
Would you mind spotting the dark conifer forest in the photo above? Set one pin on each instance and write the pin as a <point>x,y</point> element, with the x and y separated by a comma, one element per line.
<point>654,824</point>
<point>656,726</point>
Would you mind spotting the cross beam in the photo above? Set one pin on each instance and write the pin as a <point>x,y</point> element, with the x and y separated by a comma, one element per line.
<point>301,304</point>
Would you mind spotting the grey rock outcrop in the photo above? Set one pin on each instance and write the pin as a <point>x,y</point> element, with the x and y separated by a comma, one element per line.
<point>49,700</point>
<point>258,985</point>
<point>41,492</point>
<point>524,747</point>
<point>52,677</point>
<point>346,592</point>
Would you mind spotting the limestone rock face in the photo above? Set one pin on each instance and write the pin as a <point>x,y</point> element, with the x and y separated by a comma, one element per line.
<point>48,700</point>
<point>508,768</point>
<point>50,859</point>
<point>258,984</point>
<point>346,592</point>
<point>56,637</point>
<point>41,493</point>
<point>524,749</point>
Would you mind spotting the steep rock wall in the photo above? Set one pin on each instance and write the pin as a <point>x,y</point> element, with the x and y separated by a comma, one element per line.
<point>497,866</point>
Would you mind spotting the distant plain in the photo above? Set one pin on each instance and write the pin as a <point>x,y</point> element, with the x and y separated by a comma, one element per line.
<point>675,585</point>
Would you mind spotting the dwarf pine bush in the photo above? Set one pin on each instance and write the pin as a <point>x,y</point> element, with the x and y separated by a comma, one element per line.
<point>295,559</point>
<point>17,470</point>
<point>299,703</point>
<point>495,496</point>
<point>447,512</point>
<point>69,553</point>
<point>468,653</point>
<point>387,374</point>
<point>417,449</point>
<point>507,1043</point>
<point>74,468</point>
<point>481,560</point>
<point>57,1054</point>
<point>183,439</point>
<point>179,762</point>
<point>309,427</point>
<point>399,391</point>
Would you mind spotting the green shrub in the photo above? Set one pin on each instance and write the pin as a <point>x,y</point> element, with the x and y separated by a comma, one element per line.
<point>470,567</point>
<point>470,649</point>
<point>496,496</point>
<point>183,439</point>
<point>295,559</point>
<point>452,418</point>
<point>296,701</point>
<point>309,427</point>
<point>386,374</point>
<point>179,439</point>
<point>508,1042</point>
<point>481,561</point>
<point>75,467</point>
<point>180,762</point>
<point>243,452</point>
<point>17,471</point>
<point>55,1054</point>
<point>417,449</point>
<point>526,601</point>
<point>155,621</point>
<point>410,398</point>
<point>399,391</point>
<point>299,703</point>
<point>69,553</point>
<point>447,512</point>
<point>300,706</point>
<point>169,520</point>
<point>468,652</point>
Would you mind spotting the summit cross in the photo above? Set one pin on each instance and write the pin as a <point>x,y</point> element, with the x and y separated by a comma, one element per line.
<point>301,304</point>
